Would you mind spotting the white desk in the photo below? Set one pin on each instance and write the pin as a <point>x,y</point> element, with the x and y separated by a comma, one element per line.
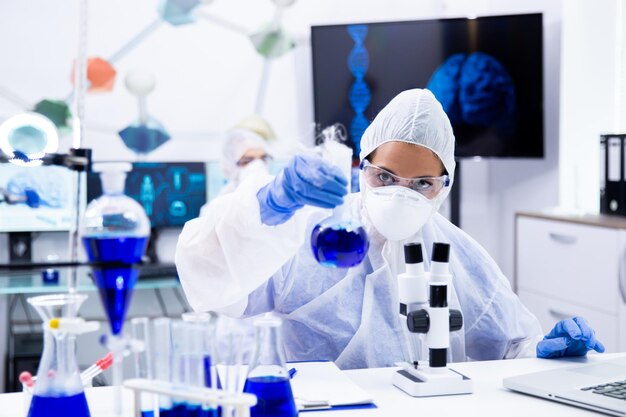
<point>489,397</point>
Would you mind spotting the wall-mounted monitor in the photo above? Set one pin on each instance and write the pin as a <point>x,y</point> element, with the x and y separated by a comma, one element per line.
<point>487,72</point>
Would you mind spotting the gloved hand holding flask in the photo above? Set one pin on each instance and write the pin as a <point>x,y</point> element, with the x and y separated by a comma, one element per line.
<point>307,179</point>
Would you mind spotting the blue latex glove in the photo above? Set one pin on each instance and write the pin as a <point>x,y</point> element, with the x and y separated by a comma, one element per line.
<point>571,337</point>
<point>305,180</point>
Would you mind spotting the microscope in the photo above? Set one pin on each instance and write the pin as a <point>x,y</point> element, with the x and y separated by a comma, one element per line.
<point>423,300</point>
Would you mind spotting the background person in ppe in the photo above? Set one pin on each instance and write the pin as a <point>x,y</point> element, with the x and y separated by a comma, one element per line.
<point>245,153</point>
<point>252,254</point>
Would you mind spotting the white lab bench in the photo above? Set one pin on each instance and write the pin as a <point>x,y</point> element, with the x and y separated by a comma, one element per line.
<point>489,397</point>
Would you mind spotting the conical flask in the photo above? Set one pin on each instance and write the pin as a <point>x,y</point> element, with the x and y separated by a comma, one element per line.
<point>339,241</point>
<point>59,389</point>
<point>115,229</point>
<point>268,378</point>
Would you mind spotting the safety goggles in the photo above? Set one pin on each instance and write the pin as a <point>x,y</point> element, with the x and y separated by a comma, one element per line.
<point>429,187</point>
<point>247,159</point>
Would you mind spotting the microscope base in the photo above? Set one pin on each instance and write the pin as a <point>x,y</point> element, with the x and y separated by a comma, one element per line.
<point>430,382</point>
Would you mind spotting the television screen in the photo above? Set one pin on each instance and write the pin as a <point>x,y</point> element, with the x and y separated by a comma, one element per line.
<point>171,192</point>
<point>486,72</point>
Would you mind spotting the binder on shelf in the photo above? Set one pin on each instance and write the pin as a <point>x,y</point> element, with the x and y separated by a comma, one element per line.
<point>612,178</point>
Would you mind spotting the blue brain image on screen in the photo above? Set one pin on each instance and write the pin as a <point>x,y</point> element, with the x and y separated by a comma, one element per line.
<point>475,90</point>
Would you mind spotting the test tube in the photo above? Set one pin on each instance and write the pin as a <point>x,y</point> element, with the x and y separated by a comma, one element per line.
<point>163,360</point>
<point>140,330</point>
<point>202,370</point>
<point>180,364</point>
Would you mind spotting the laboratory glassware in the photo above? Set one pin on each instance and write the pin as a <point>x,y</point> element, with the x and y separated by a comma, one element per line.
<point>204,324</point>
<point>268,378</point>
<point>162,360</point>
<point>59,387</point>
<point>140,331</point>
<point>339,241</point>
<point>115,231</point>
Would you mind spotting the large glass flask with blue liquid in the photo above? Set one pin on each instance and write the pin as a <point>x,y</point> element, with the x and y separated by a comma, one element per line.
<point>115,231</point>
<point>58,390</point>
<point>339,241</point>
<point>268,378</point>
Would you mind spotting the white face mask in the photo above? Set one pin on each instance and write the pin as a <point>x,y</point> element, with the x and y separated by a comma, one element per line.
<point>255,167</point>
<point>397,212</point>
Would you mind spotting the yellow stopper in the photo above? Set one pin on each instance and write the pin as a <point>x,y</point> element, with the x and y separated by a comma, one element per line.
<point>54,323</point>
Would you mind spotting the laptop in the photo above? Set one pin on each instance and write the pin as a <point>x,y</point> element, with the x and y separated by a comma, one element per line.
<point>598,386</point>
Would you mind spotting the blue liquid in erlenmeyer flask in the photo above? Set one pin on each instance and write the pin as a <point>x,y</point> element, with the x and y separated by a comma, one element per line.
<point>166,412</point>
<point>194,410</point>
<point>210,412</point>
<point>115,284</point>
<point>339,245</point>
<point>59,406</point>
<point>274,397</point>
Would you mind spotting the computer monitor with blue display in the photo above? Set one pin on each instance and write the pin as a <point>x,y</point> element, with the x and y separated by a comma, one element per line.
<point>170,192</point>
<point>487,72</point>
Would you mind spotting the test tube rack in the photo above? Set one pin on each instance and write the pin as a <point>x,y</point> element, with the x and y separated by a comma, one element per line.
<point>240,402</point>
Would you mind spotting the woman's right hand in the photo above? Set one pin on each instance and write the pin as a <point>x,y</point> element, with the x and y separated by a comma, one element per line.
<point>306,180</point>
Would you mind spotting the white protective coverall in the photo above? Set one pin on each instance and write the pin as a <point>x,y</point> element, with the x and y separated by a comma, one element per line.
<point>231,260</point>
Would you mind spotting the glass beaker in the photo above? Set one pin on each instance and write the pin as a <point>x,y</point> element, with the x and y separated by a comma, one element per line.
<point>339,241</point>
<point>115,231</point>
<point>59,387</point>
<point>268,378</point>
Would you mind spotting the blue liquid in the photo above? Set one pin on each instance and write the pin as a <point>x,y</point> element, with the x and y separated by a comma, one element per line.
<point>194,410</point>
<point>210,412</point>
<point>76,405</point>
<point>274,397</point>
<point>115,284</point>
<point>339,245</point>
<point>147,414</point>
<point>179,410</point>
<point>207,374</point>
<point>166,412</point>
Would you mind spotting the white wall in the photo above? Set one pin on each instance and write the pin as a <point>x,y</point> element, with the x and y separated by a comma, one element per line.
<point>208,80</point>
<point>591,94</point>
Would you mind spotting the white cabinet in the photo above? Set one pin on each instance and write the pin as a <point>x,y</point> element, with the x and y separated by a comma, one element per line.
<point>574,265</point>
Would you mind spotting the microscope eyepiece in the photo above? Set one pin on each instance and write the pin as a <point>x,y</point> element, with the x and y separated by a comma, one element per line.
<point>413,253</point>
<point>441,252</point>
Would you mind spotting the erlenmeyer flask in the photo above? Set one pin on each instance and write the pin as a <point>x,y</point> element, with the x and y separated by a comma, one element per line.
<point>339,241</point>
<point>115,229</point>
<point>59,389</point>
<point>268,378</point>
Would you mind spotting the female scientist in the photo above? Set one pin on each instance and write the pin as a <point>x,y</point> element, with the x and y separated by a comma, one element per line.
<point>251,253</point>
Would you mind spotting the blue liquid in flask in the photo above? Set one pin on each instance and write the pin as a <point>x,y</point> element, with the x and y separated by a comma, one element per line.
<point>59,406</point>
<point>340,245</point>
<point>180,410</point>
<point>166,412</point>
<point>274,397</point>
<point>115,284</point>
